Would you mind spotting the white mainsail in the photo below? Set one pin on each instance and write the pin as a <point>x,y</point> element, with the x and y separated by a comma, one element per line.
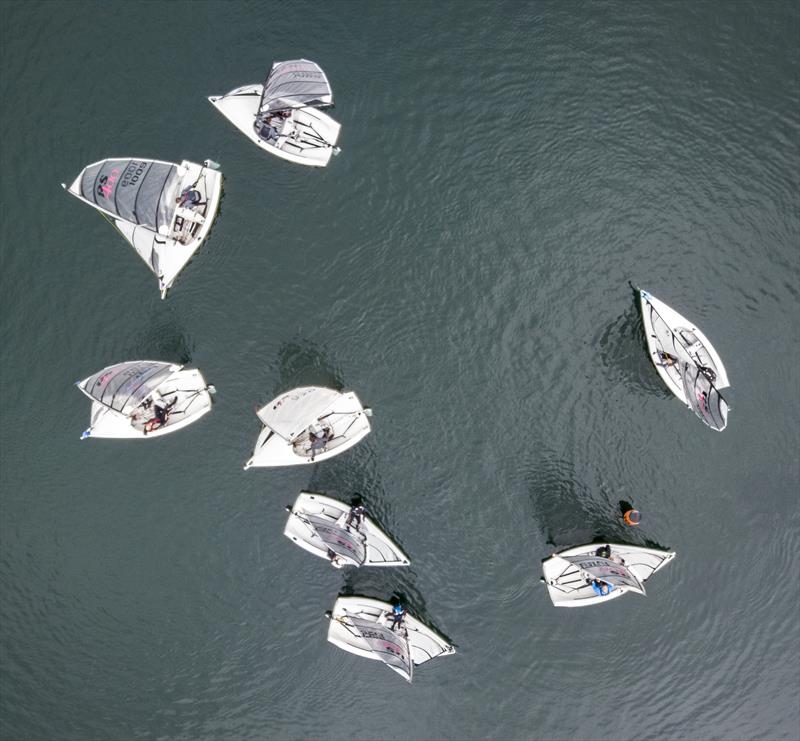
<point>390,646</point>
<point>703,397</point>
<point>123,387</point>
<point>162,209</point>
<point>291,413</point>
<point>606,570</point>
<point>345,543</point>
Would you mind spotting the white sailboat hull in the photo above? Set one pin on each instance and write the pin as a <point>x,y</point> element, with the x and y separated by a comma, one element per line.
<point>308,137</point>
<point>193,402</point>
<point>166,254</point>
<point>346,418</point>
<point>424,643</point>
<point>568,588</point>
<point>700,353</point>
<point>380,549</point>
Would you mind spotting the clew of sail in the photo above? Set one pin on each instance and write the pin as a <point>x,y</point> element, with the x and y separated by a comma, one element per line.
<point>703,397</point>
<point>343,543</point>
<point>294,84</point>
<point>390,646</point>
<point>611,572</point>
<point>122,387</point>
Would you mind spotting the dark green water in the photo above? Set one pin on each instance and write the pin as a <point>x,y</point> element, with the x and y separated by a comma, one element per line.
<point>463,265</point>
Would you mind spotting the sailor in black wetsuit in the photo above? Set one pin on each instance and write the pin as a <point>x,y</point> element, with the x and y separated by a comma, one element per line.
<point>161,415</point>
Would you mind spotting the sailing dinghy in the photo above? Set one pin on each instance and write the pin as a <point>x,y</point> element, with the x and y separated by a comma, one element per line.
<point>309,424</point>
<point>164,210</point>
<point>345,535</point>
<point>361,626</point>
<point>144,398</point>
<point>283,115</point>
<point>686,361</point>
<point>623,568</point>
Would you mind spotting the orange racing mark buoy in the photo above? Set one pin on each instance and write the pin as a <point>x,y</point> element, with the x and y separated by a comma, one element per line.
<point>632,517</point>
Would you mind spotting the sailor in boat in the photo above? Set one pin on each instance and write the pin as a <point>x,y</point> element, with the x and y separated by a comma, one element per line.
<point>605,552</point>
<point>336,562</point>
<point>601,588</point>
<point>189,197</point>
<point>161,414</point>
<point>267,131</point>
<point>319,439</point>
<point>189,200</point>
<point>667,360</point>
<point>397,614</point>
<point>355,517</point>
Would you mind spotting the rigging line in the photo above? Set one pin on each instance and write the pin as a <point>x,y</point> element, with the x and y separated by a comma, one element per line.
<point>319,136</point>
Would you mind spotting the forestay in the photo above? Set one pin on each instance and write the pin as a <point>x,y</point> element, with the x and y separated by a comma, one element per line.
<point>141,192</point>
<point>391,647</point>
<point>704,398</point>
<point>606,570</point>
<point>292,413</point>
<point>294,84</point>
<point>342,542</point>
<point>124,386</point>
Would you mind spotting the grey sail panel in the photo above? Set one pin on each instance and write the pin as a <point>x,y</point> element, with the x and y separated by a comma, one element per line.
<point>122,387</point>
<point>607,571</point>
<point>392,647</point>
<point>704,398</point>
<point>339,540</point>
<point>141,192</point>
<point>295,83</point>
